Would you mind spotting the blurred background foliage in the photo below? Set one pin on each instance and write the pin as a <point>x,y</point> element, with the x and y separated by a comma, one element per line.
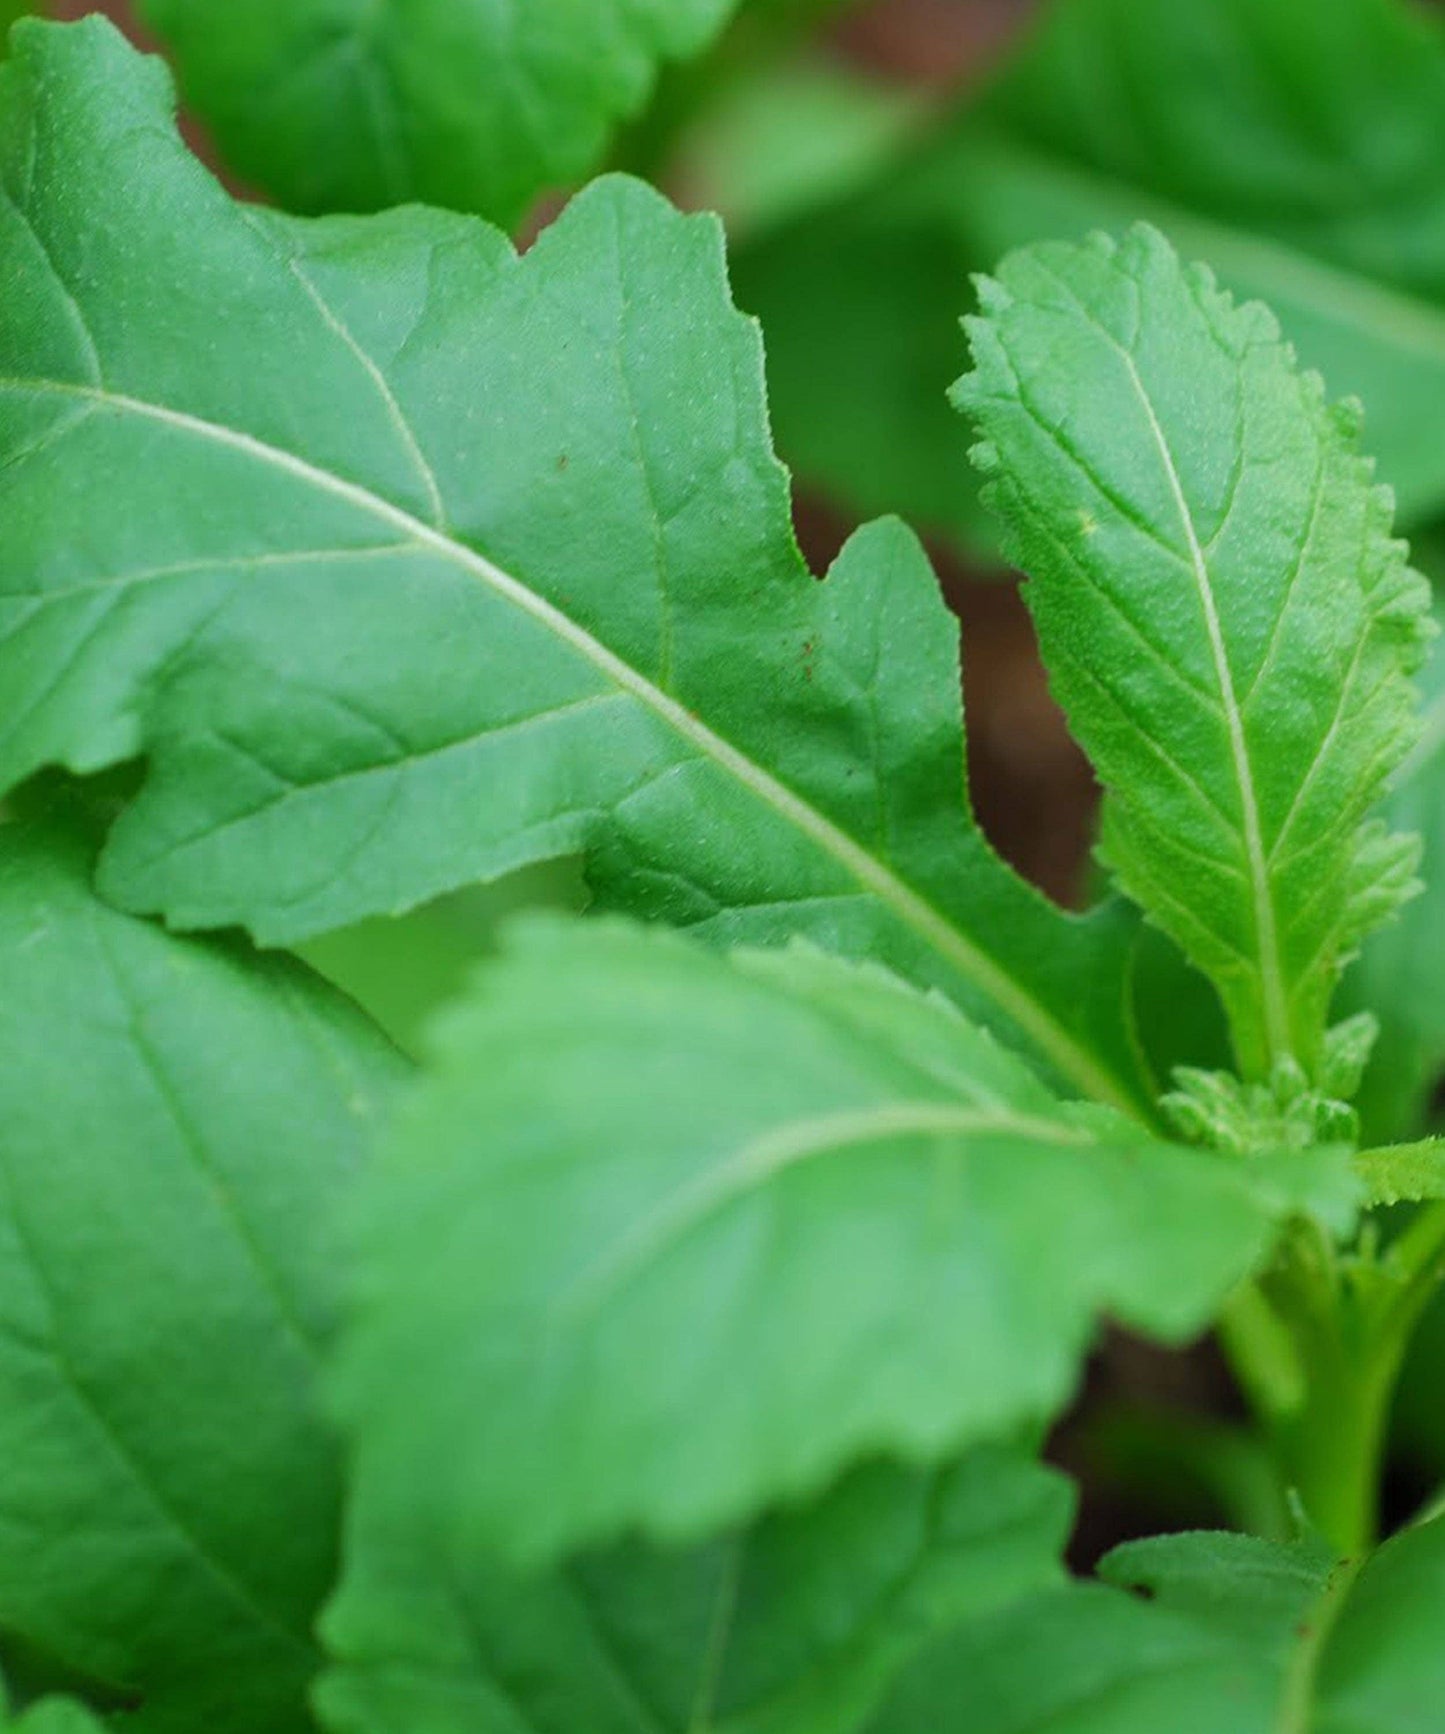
<point>867,158</point>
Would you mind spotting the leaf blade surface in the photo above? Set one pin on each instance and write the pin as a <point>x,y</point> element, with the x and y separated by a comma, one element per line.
<point>1208,121</point>
<point>451,102</point>
<point>444,561</point>
<point>170,1494</point>
<point>818,1216</point>
<point>1224,615</point>
<point>1235,1632</point>
<point>795,1622</point>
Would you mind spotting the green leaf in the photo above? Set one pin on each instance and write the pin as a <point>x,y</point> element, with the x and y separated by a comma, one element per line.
<point>1403,1172</point>
<point>409,561</point>
<point>181,1118</point>
<point>1398,977</point>
<point>52,1716</point>
<point>10,10</point>
<point>787,1201</point>
<point>454,102</point>
<point>1295,147</point>
<point>793,1626</point>
<point>1222,611</point>
<point>401,970</point>
<point>1237,1634</point>
<point>788,135</point>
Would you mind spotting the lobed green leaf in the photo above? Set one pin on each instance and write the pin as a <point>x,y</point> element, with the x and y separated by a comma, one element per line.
<point>1223,613</point>
<point>169,1505</point>
<point>667,1237</point>
<point>408,561</point>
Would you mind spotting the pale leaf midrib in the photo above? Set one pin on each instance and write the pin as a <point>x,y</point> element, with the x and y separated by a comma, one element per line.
<point>1272,988</point>
<point>1073,1062</point>
<point>764,1157</point>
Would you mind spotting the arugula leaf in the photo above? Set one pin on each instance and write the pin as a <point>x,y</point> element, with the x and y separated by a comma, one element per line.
<point>455,102</point>
<point>169,1501</point>
<point>1238,1633</point>
<point>784,1211</point>
<point>409,561</point>
<point>1298,148</point>
<point>1222,611</point>
<point>795,1624</point>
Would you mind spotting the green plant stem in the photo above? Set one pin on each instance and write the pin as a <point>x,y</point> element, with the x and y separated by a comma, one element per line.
<point>1330,1450</point>
<point>1317,1345</point>
<point>1301,1685</point>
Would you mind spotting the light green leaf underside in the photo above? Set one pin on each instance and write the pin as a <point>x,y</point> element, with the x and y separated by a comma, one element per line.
<point>793,1626</point>
<point>1203,117</point>
<point>817,1214</point>
<point>1223,613</point>
<point>408,562</point>
<point>460,103</point>
<point>1237,1634</point>
<point>180,1119</point>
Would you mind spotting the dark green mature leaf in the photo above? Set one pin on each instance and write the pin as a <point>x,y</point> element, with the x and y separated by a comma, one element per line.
<point>1238,1634</point>
<point>10,10</point>
<point>457,102</point>
<point>793,1626</point>
<point>1223,613</point>
<point>782,1211</point>
<point>1298,147</point>
<point>180,1118</point>
<point>409,561</point>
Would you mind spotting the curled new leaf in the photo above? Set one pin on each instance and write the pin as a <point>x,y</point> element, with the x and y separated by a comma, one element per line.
<point>1224,615</point>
